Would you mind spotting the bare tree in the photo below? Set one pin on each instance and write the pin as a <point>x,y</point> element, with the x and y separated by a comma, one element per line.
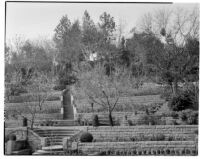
<point>120,30</point>
<point>172,54</point>
<point>146,23</point>
<point>38,92</point>
<point>101,89</point>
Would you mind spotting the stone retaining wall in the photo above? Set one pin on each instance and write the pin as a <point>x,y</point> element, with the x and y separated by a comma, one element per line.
<point>104,115</point>
<point>103,133</point>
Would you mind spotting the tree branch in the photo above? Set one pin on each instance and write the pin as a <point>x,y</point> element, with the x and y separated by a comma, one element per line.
<point>106,99</point>
<point>115,104</point>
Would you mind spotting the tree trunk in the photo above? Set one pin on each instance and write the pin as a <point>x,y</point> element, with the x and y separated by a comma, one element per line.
<point>32,121</point>
<point>32,125</point>
<point>110,119</point>
<point>175,87</point>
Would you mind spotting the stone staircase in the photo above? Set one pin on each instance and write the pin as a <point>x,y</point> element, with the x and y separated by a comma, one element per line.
<point>53,139</point>
<point>65,123</point>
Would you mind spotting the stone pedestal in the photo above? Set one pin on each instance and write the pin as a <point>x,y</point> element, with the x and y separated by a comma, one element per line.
<point>10,147</point>
<point>68,112</point>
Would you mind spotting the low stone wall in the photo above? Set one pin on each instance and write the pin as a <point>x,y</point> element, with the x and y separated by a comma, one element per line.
<point>12,123</point>
<point>21,133</point>
<point>34,140</point>
<point>104,115</point>
<point>105,133</point>
<point>141,148</point>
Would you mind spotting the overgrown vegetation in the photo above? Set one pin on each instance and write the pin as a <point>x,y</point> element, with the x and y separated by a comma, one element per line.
<point>104,66</point>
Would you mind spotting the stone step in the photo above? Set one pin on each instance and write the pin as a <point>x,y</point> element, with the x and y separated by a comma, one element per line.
<point>65,124</point>
<point>54,143</point>
<point>52,129</point>
<point>41,152</point>
<point>53,148</point>
<point>54,133</point>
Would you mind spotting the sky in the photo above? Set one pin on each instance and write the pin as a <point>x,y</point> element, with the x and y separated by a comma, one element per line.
<point>36,20</point>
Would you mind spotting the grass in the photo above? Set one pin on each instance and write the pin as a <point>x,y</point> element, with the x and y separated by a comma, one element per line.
<point>145,90</point>
<point>124,104</point>
<point>48,106</point>
<point>135,103</point>
<point>53,96</point>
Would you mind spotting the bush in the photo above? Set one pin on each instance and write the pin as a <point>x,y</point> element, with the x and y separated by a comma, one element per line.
<point>192,91</point>
<point>160,137</point>
<point>59,87</point>
<point>180,102</point>
<point>12,137</point>
<point>95,120</point>
<point>152,120</point>
<point>189,116</point>
<point>6,138</point>
<point>196,132</point>
<point>174,114</point>
<point>166,94</point>
<point>186,99</point>
<point>86,137</point>
<point>130,123</point>
<point>16,89</point>
<point>21,144</point>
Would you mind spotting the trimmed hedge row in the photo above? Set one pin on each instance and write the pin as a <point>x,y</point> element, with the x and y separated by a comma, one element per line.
<point>140,148</point>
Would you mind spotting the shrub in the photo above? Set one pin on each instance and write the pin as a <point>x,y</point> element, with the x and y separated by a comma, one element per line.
<point>6,138</point>
<point>186,99</point>
<point>59,87</point>
<point>171,138</point>
<point>174,114</point>
<point>16,89</point>
<point>192,91</point>
<point>86,137</point>
<point>192,118</point>
<point>21,144</point>
<point>166,94</point>
<point>12,137</point>
<point>189,116</point>
<point>95,120</point>
<point>160,137</point>
<point>130,123</point>
<point>196,132</point>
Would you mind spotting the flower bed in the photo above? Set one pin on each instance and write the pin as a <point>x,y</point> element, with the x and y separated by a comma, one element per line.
<point>140,148</point>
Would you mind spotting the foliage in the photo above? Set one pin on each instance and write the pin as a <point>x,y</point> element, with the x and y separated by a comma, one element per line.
<point>23,98</point>
<point>130,123</point>
<point>144,119</point>
<point>95,120</point>
<point>86,137</point>
<point>68,41</point>
<point>154,137</point>
<point>6,138</point>
<point>187,99</point>
<point>21,144</point>
<point>12,137</point>
<point>15,90</point>
<point>175,54</point>
<point>59,87</point>
<point>38,90</point>
<point>99,88</point>
<point>174,114</point>
<point>189,116</point>
<point>166,94</point>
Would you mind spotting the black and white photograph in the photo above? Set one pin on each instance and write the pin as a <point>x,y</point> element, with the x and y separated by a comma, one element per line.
<point>100,78</point>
